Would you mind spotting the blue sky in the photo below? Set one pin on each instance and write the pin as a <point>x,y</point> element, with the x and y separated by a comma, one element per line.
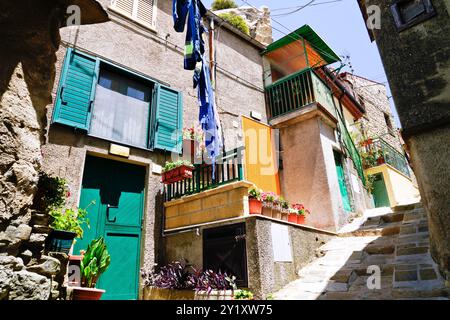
<point>340,24</point>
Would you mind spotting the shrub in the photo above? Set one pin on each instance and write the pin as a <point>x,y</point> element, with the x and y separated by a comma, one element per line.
<point>69,220</point>
<point>243,295</point>
<point>223,4</point>
<point>236,21</point>
<point>178,276</point>
<point>51,194</point>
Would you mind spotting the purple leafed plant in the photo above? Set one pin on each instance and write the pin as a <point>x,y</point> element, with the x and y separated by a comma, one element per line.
<point>179,276</point>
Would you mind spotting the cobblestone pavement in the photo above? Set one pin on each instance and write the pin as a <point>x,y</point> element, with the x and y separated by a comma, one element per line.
<point>395,243</point>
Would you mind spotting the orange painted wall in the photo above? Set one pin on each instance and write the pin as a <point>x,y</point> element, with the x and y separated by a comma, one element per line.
<point>260,156</point>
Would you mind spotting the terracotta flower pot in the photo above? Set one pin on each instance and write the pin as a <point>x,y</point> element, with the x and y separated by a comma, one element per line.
<point>301,219</point>
<point>255,206</point>
<point>380,161</point>
<point>177,174</point>
<point>292,217</point>
<point>267,211</point>
<point>80,293</point>
<point>276,213</point>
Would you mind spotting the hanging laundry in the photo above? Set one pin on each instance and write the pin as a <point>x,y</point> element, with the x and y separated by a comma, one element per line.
<point>208,117</point>
<point>193,11</point>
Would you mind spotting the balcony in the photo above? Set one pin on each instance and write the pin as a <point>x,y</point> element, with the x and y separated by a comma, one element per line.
<point>378,152</point>
<point>228,169</point>
<point>296,92</point>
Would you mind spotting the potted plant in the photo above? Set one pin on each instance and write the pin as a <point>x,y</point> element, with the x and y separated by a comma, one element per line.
<point>301,213</point>
<point>284,208</point>
<point>66,225</point>
<point>293,214</point>
<point>381,160</point>
<point>254,201</point>
<point>268,199</point>
<point>193,144</point>
<point>95,261</point>
<point>178,281</point>
<point>177,171</point>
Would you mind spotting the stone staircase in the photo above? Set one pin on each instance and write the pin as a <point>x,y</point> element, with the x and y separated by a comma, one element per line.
<point>395,243</point>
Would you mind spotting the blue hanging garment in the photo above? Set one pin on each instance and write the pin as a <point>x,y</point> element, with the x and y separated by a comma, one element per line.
<point>193,11</point>
<point>194,59</point>
<point>208,116</point>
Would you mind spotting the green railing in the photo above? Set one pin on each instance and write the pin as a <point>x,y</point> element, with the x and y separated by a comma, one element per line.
<point>382,152</point>
<point>350,147</point>
<point>297,91</point>
<point>228,169</point>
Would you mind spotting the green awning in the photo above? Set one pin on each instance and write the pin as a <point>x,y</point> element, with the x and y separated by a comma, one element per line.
<point>307,33</point>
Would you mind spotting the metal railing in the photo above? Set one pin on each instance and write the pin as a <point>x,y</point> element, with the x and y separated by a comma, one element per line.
<point>297,91</point>
<point>350,147</point>
<point>383,153</point>
<point>228,169</point>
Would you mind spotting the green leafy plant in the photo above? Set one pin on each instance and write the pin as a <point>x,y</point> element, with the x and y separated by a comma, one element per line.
<point>70,220</point>
<point>95,261</point>
<point>243,295</point>
<point>223,4</point>
<point>254,193</point>
<point>173,165</point>
<point>52,193</point>
<point>283,203</point>
<point>236,21</point>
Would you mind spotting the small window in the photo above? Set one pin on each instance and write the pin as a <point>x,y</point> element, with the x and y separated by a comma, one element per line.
<point>121,109</point>
<point>142,11</point>
<point>388,121</point>
<point>408,13</point>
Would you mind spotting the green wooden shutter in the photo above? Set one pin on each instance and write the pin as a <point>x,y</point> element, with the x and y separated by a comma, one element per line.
<point>76,90</point>
<point>168,119</point>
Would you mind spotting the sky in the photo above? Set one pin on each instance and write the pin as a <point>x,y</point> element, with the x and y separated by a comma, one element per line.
<point>340,24</point>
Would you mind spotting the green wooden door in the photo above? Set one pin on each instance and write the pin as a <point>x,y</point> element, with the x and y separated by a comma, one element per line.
<point>380,194</point>
<point>118,191</point>
<point>342,185</point>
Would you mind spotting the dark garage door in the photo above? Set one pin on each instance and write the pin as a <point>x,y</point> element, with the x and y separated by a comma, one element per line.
<point>224,249</point>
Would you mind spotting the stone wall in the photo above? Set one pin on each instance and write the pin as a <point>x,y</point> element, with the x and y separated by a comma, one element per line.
<point>258,21</point>
<point>375,100</point>
<point>417,64</point>
<point>27,72</point>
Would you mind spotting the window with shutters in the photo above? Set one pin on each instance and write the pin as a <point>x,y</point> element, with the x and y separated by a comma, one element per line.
<point>141,11</point>
<point>118,105</point>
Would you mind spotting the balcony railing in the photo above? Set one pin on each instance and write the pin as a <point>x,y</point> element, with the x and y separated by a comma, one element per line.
<point>297,91</point>
<point>380,152</point>
<point>228,169</point>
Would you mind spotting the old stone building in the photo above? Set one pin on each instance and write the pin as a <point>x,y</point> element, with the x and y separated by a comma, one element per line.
<point>414,47</point>
<point>378,121</point>
<point>258,21</point>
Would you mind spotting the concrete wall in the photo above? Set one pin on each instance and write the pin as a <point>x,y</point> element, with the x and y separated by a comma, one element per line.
<point>265,276</point>
<point>239,90</point>
<point>268,276</point>
<point>309,171</point>
<point>417,64</point>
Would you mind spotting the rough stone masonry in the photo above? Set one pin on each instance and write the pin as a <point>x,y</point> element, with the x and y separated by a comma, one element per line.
<point>29,33</point>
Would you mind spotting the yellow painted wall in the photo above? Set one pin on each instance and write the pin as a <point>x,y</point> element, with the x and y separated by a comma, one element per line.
<point>260,164</point>
<point>400,189</point>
